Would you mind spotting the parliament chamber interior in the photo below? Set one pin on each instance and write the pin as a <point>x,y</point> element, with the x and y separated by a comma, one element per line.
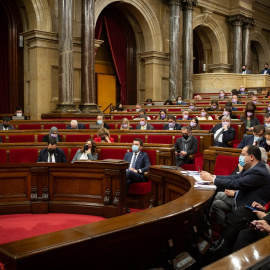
<point>121,124</point>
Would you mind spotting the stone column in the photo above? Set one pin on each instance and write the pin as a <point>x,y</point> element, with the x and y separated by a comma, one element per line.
<point>187,78</point>
<point>237,22</point>
<point>88,91</point>
<point>175,54</point>
<point>65,69</point>
<point>248,23</point>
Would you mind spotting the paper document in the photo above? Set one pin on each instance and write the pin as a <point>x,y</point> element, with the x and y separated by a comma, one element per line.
<point>210,187</point>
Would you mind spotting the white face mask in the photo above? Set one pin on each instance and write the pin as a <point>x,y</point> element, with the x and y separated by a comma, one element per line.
<point>268,142</point>
<point>19,114</point>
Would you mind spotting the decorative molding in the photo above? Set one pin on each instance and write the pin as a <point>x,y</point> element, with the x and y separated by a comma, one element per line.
<point>116,198</point>
<point>45,193</point>
<point>241,20</point>
<point>33,196</point>
<point>106,199</point>
<point>189,4</point>
<point>207,16</point>
<point>174,2</point>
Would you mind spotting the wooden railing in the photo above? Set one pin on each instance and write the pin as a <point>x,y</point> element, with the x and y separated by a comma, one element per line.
<point>132,241</point>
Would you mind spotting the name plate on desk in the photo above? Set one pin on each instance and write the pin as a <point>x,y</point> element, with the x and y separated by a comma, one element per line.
<point>112,160</point>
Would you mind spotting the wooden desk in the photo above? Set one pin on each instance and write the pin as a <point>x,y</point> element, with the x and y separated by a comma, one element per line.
<point>131,241</point>
<point>93,188</point>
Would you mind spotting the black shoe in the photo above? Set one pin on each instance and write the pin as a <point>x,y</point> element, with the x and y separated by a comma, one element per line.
<point>219,246</point>
<point>127,210</point>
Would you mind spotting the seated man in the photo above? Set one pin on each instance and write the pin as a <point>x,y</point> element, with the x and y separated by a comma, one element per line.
<point>75,125</point>
<point>143,124</point>
<point>252,184</point>
<point>139,164</point>
<point>172,125</point>
<point>185,146</point>
<point>223,133</point>
<point>51,154</point>
<point>6,125</point>
<point>256,139</point>
<point>185,115</point>
<point>138,107</point>
<point>235,100</point>
<point>255,100</point>
<point>19,113</point>
<point>142,112</point>
<point>242,90</point>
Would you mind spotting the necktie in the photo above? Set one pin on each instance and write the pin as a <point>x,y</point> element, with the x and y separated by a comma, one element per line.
<point>218,135</point>
<point>134,161</point>
<point>50,157</point>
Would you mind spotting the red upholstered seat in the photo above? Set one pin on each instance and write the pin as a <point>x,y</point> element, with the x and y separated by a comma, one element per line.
<point>106,153</point>
<point>21,138</point>
<point>115,137</point>
<point>27,155</point>
<point>3,138</point>
<point>189,167</point>
<point>235,126</point>
<point>235,143</point>
<point>59,126</point>
<point>221,160</point>
<point>29,126</point>
<point>120,117</point>
<point>133,125</point>
<point>140,188</point>
<point>112,126</point>
<point>163,139</point>
<point>66,153</point>
<point>260,118</point>
<point>3,156</point>
<point>77,137</point>
<point>158,126</point>
<point>128,138</point>
<point>73,151</point>
<point>206,127</point>
<point>154,110</point>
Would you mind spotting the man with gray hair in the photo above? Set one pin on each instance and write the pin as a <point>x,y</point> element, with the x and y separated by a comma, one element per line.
<point>75,125</point>
<point>223,132</point>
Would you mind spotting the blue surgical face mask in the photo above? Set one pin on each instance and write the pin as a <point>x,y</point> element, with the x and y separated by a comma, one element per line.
<point>242,161</point>
<point>99,122</point>
<point>179,101</point>
<point>135,148</point>
<point>257,139</point>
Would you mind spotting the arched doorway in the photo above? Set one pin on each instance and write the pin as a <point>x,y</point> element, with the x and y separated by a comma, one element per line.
<point>198,54</point>
<point>11,57</point>
<point>119,50</point>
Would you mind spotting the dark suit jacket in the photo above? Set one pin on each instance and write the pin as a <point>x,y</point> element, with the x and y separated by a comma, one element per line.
<point>247,72</point>
<point>253,122</point>
<point>80,126</point>
<point>46,138</point>
<point>148,127</point>
<point>142,162</point>
<point>234,109</point>
<point>9,128</point>
<point>176,127</point>
<point>228,135</point>
<point>59,155</point>
<point>192,145</point>
<point>231,115</point>
<point>268,71</point>
<point>253,185</point>
<point>248,140</point>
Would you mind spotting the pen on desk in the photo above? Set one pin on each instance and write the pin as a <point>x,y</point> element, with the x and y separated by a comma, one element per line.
<point>199,169</point>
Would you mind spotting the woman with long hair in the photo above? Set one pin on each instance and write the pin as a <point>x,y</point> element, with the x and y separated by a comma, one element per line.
<point>88,151</point>
<point>194,124</point>
<point>162,115</point>
<point>250,119</point>
<point>125,124</point>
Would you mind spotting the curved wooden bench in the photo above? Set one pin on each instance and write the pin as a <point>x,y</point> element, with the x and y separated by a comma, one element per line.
<point>127,242</point>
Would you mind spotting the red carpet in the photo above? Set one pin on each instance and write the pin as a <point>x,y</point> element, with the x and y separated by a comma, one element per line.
<point>21,226</point>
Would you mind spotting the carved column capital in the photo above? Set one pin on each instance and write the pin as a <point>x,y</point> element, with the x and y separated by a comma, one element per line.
<point>189,4</point>
<point>174,2</point>
<point>237,20</point>
<point>248,22</point>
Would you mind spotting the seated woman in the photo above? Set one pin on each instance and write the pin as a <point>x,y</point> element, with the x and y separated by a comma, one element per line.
<point>194,124</point>
<point>250,119</point>
<point>119,107</point>
<point>52,135</point>
<point>192,106</point>
<point>214,106</point>
<point>267,95</point>
<point>226,111</point>
<point>88,152</point>
<point>104,136</point>
<point>149,102</point>
<point>125,124</point>
<point>168,102</point>
<point>204,115</point>
<point>162,115</point>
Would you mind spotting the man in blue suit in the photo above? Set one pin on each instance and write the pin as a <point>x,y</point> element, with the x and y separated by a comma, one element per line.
<point>256,139</point>
<point>139,163</point>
